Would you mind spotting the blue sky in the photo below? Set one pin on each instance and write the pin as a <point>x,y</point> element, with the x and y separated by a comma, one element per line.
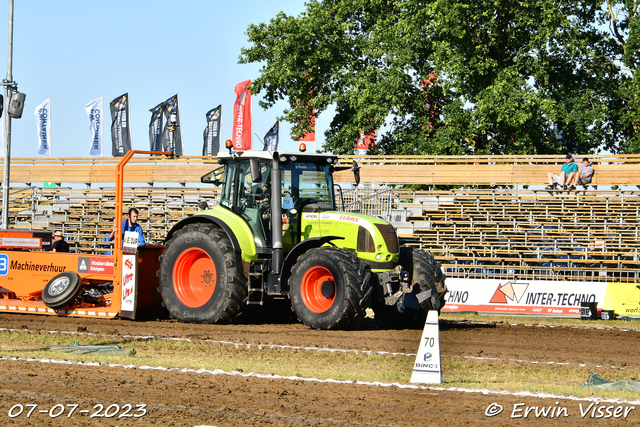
<point>75,51</point>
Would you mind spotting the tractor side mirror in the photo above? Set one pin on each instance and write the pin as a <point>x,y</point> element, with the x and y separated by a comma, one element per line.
<point>256,176</point>
<point>1,104</point>
<point>356,172</point>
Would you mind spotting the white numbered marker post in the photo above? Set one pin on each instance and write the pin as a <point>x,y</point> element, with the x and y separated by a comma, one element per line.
<point>427,368</point>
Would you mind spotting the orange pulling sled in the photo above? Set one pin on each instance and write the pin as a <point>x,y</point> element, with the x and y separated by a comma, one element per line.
<point>36,281</point>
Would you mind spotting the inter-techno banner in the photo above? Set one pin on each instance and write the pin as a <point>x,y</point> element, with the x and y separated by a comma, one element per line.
<point>94,111</point>
<point>155,128</point>
<point>242,117</point>
<point>120,126</point>
<point>43,121</point>
<point>211,134</point>
<point>543,297</point>
<point>272,138</point>
<point>172,139</point>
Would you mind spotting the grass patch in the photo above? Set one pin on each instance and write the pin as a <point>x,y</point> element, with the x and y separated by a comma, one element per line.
<point>458,372</point>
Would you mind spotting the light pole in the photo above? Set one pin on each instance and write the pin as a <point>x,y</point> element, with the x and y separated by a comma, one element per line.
<point>9,87</point>
<point>14,102</point>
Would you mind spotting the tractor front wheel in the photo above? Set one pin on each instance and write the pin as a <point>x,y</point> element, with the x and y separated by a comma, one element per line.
<point>199,279</point>
<point>329,288</point>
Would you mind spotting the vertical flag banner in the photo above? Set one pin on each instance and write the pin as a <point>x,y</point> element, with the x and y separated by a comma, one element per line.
<point>171,139</point>
<point>94,111</point>
<point>272,138</point>
<point>155,128</point>
<point>364,143</point>
<point>211,133</point>
<point>311,136</point>
<point>43,121</point>
<point>120,126</point>
<point>242,117</point>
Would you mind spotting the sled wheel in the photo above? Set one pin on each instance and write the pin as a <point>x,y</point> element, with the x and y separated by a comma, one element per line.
<point>425,273</point>
<point>328,289</point>
<point>199,277</point>
<point>62,290</point>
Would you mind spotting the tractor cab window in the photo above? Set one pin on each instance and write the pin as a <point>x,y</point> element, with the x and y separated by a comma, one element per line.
<point>253,202</point>
<point>226,195</point>
<point>306,183</point>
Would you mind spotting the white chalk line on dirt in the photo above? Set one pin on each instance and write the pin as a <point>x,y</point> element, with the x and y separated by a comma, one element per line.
<point>317,380</point>
<point>317,349</point>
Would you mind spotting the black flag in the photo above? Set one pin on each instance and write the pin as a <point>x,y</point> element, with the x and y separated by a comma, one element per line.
<point>120,126</point>
<point>272,138</point>
<point>211,133</point>
<point>172,138</point>
<point>155,128</point>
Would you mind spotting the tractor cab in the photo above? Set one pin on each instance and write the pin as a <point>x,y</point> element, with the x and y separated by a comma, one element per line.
<point>305,184</point>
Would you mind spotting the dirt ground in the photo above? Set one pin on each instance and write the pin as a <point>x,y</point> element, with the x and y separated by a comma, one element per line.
<point>195,399</point>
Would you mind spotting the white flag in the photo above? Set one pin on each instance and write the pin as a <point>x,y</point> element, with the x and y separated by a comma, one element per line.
<point>43,121</point>
<point>94,111</point>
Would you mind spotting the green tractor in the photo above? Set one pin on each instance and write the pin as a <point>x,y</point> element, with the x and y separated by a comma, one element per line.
<point>276,234</point>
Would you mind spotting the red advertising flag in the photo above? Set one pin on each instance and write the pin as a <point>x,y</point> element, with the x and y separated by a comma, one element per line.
<point>242,117</point>
<point>365,142</point>
<point>312,135</point>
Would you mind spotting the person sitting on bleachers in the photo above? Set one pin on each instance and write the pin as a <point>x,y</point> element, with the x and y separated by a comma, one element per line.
<point>583,177</point>
<point>566,174</point>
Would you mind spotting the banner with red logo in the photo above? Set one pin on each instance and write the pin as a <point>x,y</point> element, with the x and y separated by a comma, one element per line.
<point>242,117</point>
<point>531,297</point>
<point>364,143</point>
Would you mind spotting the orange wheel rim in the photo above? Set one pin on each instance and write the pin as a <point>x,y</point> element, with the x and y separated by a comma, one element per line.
<point>194,277</point>
<point>318,289</point>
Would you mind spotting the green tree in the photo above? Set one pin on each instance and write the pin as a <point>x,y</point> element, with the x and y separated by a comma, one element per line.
<point>453,77</point>
<point>624,106</point>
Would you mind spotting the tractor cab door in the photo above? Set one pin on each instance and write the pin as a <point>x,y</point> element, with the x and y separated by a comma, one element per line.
<point>307,188</point>
<point>252,201</point>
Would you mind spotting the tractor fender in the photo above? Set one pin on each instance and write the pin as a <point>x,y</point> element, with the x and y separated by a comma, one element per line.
<point>210,220</point>
<point>299,249</point>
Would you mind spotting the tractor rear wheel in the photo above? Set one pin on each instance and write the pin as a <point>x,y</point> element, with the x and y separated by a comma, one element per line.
<point>199,279</point>
<point>329,288</point>
<point>425,273</point>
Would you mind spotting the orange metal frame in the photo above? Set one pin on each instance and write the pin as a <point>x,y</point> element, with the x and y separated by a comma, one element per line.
<point>28,272</point>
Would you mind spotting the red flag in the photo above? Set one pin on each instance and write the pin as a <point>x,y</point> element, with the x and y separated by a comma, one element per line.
<point>365,142</point>
<point>242,117</point>
<point>312,135</point>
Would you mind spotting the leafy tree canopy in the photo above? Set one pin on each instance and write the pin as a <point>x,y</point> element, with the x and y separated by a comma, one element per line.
<point>457,77</point>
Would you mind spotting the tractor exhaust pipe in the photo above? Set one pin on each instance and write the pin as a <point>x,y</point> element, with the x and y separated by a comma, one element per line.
<point>276,215</point>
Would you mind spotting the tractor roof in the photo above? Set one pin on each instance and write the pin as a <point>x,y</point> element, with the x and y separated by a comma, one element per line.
<point>225,156</point>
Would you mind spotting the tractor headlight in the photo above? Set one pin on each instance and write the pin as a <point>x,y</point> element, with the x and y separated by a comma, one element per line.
<point>378,257</point>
